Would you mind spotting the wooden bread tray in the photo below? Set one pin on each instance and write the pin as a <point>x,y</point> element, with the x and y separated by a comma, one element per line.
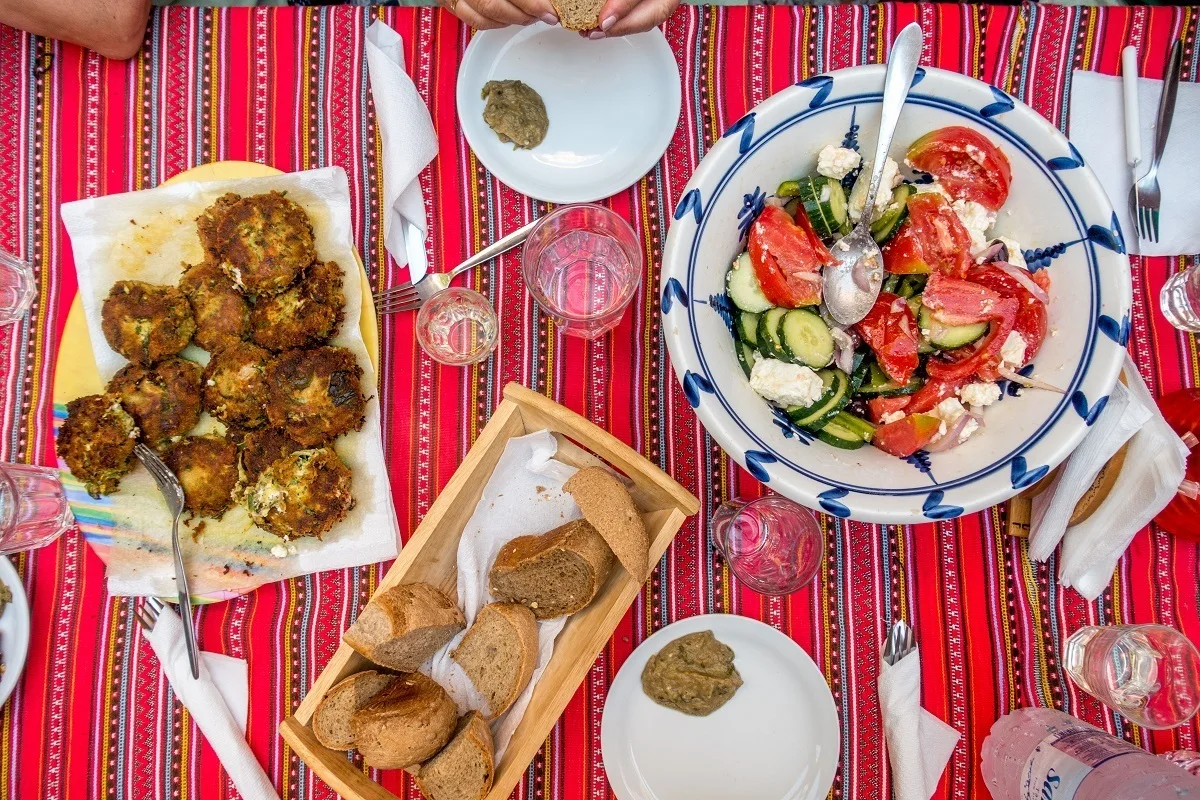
<point>431,556</point>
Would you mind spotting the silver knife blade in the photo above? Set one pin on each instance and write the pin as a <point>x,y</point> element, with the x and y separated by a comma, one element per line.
<point>414,244</point>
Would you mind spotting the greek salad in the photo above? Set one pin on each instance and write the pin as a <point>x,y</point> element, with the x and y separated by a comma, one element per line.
<point>958,312</point>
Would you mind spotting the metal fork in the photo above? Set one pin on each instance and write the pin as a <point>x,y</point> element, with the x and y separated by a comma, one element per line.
<point>172,492</point>
<point>147,613</point>
<point>1148,195</point>
<point>900,642</point>
<point>409,296</point>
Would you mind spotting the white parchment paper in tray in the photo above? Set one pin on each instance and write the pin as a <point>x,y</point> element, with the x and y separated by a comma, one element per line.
<point>151,236</point>
<point>523,496</point>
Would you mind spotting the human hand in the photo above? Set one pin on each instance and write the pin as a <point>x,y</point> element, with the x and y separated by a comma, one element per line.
<point>623,17</point>
<point>488,14</point>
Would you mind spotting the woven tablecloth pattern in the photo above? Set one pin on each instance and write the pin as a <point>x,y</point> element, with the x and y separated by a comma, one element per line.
<point>288,87</point>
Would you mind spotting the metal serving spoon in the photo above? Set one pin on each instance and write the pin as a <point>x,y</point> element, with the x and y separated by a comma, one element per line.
<point>851,285</point>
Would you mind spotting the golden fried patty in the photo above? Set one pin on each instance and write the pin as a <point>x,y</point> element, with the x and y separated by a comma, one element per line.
<point>97,441</point>
<point>235,385</point>
<point>316,395</point>
<point>146,323</point>
<point>207,469</point>
<point>303,494</point>
<point>307,314</point>
<point>221,312</point>
<point>164,399</point>
<point>262,242</point>
<point>262,448</point>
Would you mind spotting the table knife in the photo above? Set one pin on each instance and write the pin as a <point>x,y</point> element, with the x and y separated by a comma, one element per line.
<point>1133,133</point>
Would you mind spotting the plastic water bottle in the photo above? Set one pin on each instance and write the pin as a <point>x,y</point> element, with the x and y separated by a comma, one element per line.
<point>1043,754</point>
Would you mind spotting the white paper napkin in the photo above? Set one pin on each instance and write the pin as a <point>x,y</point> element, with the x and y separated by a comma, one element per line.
<point>919,744</point>
<point>217,701</point>
<point>409,143</point>
<point>1096,127</point>
<point>1154,466</point>
<point>523,496</point>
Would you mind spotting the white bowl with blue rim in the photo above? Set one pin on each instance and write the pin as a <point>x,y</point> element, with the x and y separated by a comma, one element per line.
<point>1056,209</point>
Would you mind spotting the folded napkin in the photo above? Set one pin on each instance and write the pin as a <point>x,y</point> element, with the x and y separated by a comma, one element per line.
<point>409,143</point>
<point>919,744</point>
<point>216,700</point>
<point>1096,128</point>
<point>1154,466</point>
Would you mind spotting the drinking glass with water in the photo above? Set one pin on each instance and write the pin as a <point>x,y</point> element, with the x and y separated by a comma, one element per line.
<point>16,288</point>
<point>772,545</point>
<point>33,507</point>
<point>1149,674</point>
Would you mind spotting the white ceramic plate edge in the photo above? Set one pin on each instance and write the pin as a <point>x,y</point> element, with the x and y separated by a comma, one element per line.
<point>16,627</point>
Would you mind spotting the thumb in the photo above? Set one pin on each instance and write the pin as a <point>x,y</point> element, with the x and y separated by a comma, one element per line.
<point>615,10</point>
<point>643,16</point>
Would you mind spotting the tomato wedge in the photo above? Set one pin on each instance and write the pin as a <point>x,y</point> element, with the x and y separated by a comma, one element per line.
<point>822,252</point>
<point>932,239</point>
<point>966,163</point>
<point>984,359</point>
<point>891,331</point>
<point>1031,313</point>
<point>786,263</point>
<point>906,436</point>
<point>880,407</point>
<point>933,392</point>
<point>952,301</point>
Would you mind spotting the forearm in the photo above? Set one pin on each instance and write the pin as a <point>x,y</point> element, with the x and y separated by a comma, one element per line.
<point>113,28</point>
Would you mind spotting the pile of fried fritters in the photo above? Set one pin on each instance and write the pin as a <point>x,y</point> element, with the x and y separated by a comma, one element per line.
<point>265,308</point>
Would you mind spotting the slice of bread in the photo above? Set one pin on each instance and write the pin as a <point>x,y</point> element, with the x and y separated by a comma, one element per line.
<point>406,723</point>
<point>578,15</point>
<point>402,627</point>
<point>498,653</point>
<point>608,506</point>
<point>464,768</point>
<point>553,574</point>
<point>331,721</point>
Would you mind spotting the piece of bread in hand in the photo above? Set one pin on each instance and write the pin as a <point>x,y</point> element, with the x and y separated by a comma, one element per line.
<point>331,720</point>
<point>405,625</point>
<point>498,653</point>
<point>578,15</point>
<point>608,506</point>
<point>464,768</point>
<point>405,724</point>
<point>555,573</point>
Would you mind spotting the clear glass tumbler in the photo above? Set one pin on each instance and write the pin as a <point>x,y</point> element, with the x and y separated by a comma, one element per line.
<point>33,507</point>
<point>773,545</point>
<point>458,326</point>
<point>1149,674</point>
<point>16,288</point>
<point>583,264</point>
<point>1180,300</point>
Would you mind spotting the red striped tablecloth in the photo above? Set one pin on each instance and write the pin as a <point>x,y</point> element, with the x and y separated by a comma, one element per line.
<point>288,87</point>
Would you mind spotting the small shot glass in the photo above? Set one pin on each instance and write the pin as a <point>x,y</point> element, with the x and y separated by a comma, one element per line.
<point>17,288</point>
<point>457,327</point>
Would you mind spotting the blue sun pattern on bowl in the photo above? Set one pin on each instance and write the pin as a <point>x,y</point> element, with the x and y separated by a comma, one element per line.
<point>774,466</point>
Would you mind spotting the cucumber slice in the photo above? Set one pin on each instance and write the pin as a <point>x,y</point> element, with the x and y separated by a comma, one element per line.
<point>745,356</point>
<point>911,285</point>
<point>746,327</point>
<point>806,338</point>
<point>834,400</point>
<point>861,368</point>
<point>846,431</point>
<point>949,337</point>
<point>788,189</point>
<point>891,284</point>
<point>856,423</point>
<point>885,226</point>
<point>824,201</point>
<point>741,284</point>
<point>880,385</point>
<point>769,342</point>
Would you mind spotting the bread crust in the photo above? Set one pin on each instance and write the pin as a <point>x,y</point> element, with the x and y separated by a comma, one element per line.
<point>348,684</point>
<point>406,608</point>
<point>474,729</point>
<point>607,504</point>
<point>524,626</point>
<point>579,538</point>
<point>404,724</point>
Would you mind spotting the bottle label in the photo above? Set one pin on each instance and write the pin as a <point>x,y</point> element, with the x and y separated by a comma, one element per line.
<point>1059,764</point>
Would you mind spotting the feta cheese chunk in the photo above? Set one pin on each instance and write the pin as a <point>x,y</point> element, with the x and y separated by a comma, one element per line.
<point>979,394</point>
<point>949,411</point>
<point>1016,255</point>
<point>891,416</point>
<point>858,195</point>
<point>977,219</point>
<point>934,188</point>
<point>786,384</point>
<point>1012,352</point>
<point>837,162</point>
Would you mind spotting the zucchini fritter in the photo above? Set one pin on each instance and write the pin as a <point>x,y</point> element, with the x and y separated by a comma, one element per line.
<point>207,469</point>
<point>235,385</point>
<point>164,399</point>
<point>315,395</point>
<point>303,494</point>
<point>221,312</point>
<point>306,314</point>
<point>97,441</point>
<point>145,322</point>
<point>262,448</point>
<point>262,242</point>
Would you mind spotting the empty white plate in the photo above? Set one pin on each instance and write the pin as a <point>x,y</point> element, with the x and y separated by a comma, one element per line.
<point>613,106</point>
<point>776,739</point>
<point>14,630</point>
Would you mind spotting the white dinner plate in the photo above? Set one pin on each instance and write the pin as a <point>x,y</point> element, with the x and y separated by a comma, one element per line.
<point>776,739</point>
<point>613,106</point>
<point>14,630</point>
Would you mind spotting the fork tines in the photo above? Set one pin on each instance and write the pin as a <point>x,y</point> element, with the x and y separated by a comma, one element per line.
<point>399,290</point>
<point>1148,223</point>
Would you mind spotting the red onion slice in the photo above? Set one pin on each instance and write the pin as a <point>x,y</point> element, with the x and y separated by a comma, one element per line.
<point>860,274</point>
<point>843,349</point>
<point>1028,382</point>
<point>950,439</point>
<point>1023,277</point>
<point>996,251</point>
